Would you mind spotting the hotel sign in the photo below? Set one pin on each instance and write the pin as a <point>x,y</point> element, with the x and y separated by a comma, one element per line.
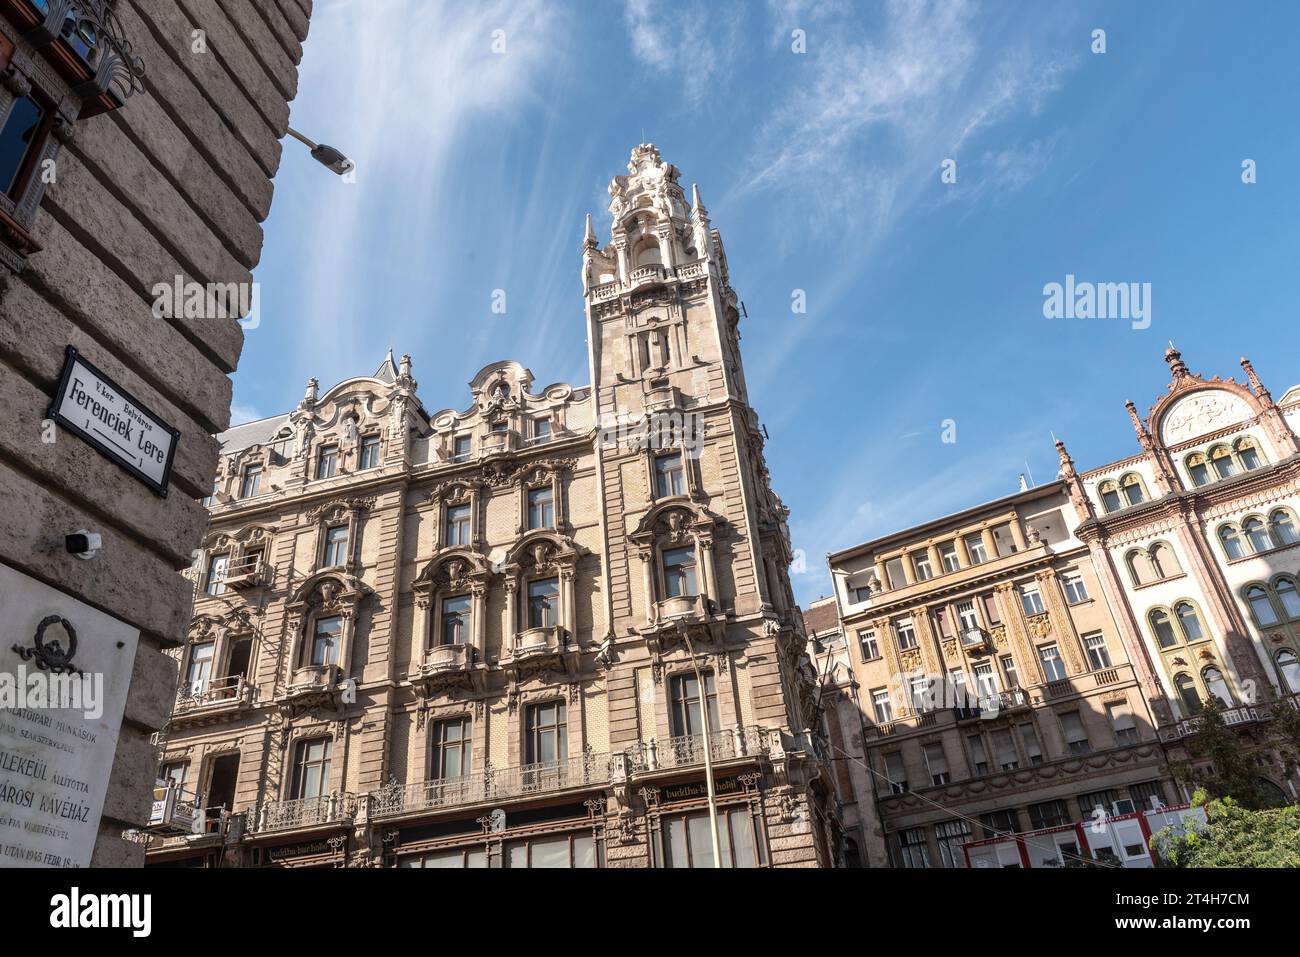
<point>697,789</point>
<point>94,407</point>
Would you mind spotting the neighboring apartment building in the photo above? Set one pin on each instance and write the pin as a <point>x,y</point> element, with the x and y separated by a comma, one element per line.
<point>1096,613</point>
<point>1197,541</point>
<point>128,158</point>
<point>998,693</point>
<point>491,636</point>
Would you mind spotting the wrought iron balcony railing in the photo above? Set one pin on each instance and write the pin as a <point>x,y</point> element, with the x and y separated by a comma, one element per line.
<point>306,812</point>
<point>218,691</point>
<point>688,750</point>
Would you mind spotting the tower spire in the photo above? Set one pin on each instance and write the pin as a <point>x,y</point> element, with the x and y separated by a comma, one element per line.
<point>589,237</point>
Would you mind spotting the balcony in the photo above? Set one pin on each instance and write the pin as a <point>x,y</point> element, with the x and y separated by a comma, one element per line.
<point>173,814</point>
<point>664,399</point>
<point>682,608</point>
<point>688,750</point>
<point>248,572</point>
<point>313,678</point>
<point>975,639</point>
<point>494,785</point>
<point>1245,714</point>
<point>643,274</point>
<point>447,666</point>
<point>336,808</point>
<point>498,443</point>
<point>232,693</point>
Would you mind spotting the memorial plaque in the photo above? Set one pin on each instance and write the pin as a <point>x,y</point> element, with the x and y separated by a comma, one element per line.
<point>55,762</point>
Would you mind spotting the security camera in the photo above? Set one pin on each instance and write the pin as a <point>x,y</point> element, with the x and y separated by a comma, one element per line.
<point>84,544</point>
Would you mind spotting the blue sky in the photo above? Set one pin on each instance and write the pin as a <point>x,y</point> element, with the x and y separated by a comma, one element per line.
<point>822,171</point>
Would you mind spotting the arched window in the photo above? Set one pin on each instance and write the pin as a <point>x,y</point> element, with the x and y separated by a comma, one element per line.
<point>1187,693</point>
<point>1217,686</point>
<point>1288,666</point>
<point>1198,468</point>
<point>647,254</point>
<point>1110,500</point>
<point>1261,606</point>
<point>1221,458</point>
<point>1248,453</point>
<point>1257,533</point>
<point>1189,620</point>
<point>1164,563</point>
<point>1132,488</point>
<point>1231,540</point>
<point>1163,628</point>
<point>1289,596</point>
<point>1281,524</point>
<point>1139,566</point>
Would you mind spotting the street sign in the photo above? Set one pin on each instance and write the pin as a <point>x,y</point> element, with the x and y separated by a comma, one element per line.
<point>91,405</point>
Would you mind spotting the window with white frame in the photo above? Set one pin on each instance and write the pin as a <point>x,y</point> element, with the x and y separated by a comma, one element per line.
<point>882,706</point>
<point>311,768</point>
<point>921,564</point>
<point>869,644</point>
<point>327,461</point>
<point>368,457</point>
<point>1098,654</point>
<point>975,548</point>
<point>905,633</point>
<point>1075,590</point>
<point>1031,600</point>
<point>455,623</point>
<point>327,634</point>
<point>218,565</point>
<point>679,572</point>
<point>670,476</point>
<point>451,754</point>
<point>458,525</point>
<point>948,555</point>
<point>336,547</point>
<point>541,508</point>
<point>1053,664</point>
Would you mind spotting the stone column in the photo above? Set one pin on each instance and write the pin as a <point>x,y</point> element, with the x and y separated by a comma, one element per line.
<point>512,615</point>
<point>567,576</point>
<point>478,627</point>
<point>647,573</point>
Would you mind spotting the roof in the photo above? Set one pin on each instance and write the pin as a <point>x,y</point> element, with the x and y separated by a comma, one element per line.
<point>821,616</point>
<point>251,433</point>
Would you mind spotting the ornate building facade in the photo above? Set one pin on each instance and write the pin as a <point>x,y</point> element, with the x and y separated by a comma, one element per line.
<point>493,636</point>
<point>1092,617</point>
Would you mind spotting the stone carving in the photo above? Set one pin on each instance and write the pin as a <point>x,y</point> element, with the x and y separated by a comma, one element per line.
<point>1200,413</point>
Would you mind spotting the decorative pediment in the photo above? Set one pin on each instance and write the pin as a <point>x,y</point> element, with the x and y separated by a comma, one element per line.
<point>211,627</point>
<point>331,591</point>
<point>1195,405</point>
<point>544,549</point>
<point>340,508</point>
<point>456,570</point>
<point>674,521</point>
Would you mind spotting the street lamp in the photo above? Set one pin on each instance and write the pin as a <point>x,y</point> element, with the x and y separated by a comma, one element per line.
<point>708,749</point>
<point>327,156</point>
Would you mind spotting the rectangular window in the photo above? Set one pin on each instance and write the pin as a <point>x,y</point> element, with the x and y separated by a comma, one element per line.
<point>369,452</point>
<point>543,603</point>
<point>564,851</point>
<point>209,499</point>
<point>251,482</point>
<point>311,768</point>
<point>541,431</point>
<point>936,762</point>
<point>905,633</point>
<point>912,848</point>
<point>460,448</point>
<point>200,670</point>
<point>1106,800</point>
<point>1003,540</point>
<point>1048,814</point>
<point>458,531</point>
<point>1098,656</point>
<point>1148,795</point>
<point>1076,738</point>
<point>1053,665</point>
<point>1004,750</point>
<point>979,759</point>
<point>541,508</point>
<point>679,573</point>
<point>1000,823</point>
<point>922,695</point>
<point>217,568</point>
<point>968,622</point>
<point>1009,671</point>
<point>670,479</point>
<point>975,548</point>
<point>451,750</point>
<point>173,772</point>
<point>20,142</point>
<point>948,553</point>
<point>545,733</point>
<point>689,843</point>
<point>1121,720</point>
<point>870,647</point>
<point>456,858</point>
<point>1075,590</point>
<point>1029,738</point>
<point>326,636</point>
<point>896,772</point>
<point>688,720</point>
<point>882,706</point>
<point>924,571</point>
<point>894,571</point>
<point>336,546</point>
<point>455,620</point>
<point>986,682</point>
<point>1031,600</point>
<point>327,462</point>
<point>951,835</point>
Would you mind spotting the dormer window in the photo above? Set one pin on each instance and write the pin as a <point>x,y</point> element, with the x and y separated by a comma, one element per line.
<point>460,448</point>
<point>327,462</point>
<point>670,477</point>
<point>541,431</point>
<point>251,481</point>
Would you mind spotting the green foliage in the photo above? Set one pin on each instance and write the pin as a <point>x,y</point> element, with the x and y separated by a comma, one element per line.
<point>1234,836</point>
<point>1223,765</point>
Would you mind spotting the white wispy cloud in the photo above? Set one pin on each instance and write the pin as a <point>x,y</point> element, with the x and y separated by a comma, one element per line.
<point>695,43</point>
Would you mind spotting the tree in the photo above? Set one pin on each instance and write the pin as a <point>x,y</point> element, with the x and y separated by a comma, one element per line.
<point>1223,765</point>
<point>1233,836</point>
